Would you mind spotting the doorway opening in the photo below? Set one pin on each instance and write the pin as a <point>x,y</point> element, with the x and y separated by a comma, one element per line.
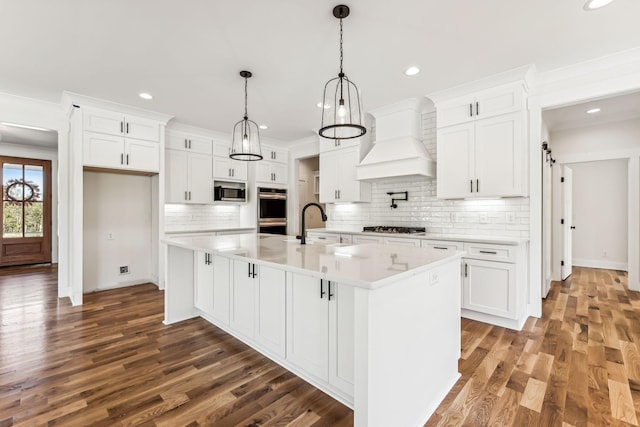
<point>308,190</point>
<point>25,211</point>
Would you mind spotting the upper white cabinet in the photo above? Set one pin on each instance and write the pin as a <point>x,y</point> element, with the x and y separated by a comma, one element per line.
<point>336,144</point>
<point>229,169</point>
<point>484,155</point>
<point>114,123</point>
<point>481,105</point>
<point>188,177</point>
<point>112,140</point>
<point>338,181</point>
<point>275,154</point>
<point>177,140</point>
<point>271,172</point>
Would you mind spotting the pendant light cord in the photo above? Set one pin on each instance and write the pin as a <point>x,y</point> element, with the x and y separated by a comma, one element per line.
<point>341,53</point>
<point>246,116</point>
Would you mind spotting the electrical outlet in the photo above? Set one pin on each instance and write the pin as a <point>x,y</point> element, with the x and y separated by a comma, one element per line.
<point>484,218</point>
<point>604,254</point>
<point>511,217</point>
<point>124,269</point>
<point>433,278</point>
<point>109,236</point>
<point>455,217</point>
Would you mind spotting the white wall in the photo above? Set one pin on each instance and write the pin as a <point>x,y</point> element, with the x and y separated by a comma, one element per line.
<point>600,140</point>
<point>41,153</point>
<point>600,214</point>
<point>121,205</point>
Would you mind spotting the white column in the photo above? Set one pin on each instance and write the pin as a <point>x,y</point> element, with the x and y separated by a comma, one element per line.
<point>634,226</point>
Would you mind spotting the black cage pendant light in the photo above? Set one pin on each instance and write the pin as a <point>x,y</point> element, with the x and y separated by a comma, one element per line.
<point>341,109</point>
<point>245,144</point>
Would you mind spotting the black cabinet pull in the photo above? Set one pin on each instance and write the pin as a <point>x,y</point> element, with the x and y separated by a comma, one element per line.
<point>477,109</point>
<point>121,127</point>
<point>185,143</point>
<point>127,159</point>
<point>477,185</point>
<point>127,127</point>
<point>322,292</point>
<point>439,247</point>
<point>185,195</point>
<point>253,271</point>
<point>189,144</point>
<point>489,252</point>
<point>466,270</point>
<point>471,183</point>
<point>470,110</point>
<point>122,159</point>
<point>330,294</point>
<point>249,269</point>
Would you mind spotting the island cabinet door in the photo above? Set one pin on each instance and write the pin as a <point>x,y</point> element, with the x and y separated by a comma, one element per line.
<point>203,291</point>
<point>243,291</point>
<point>271,310</point>
<point>341,336</point>
<point>489,287</point>
<point>307,324</point>
<point>221,287</point>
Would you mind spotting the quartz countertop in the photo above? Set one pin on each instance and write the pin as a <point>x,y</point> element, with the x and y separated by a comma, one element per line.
<point>502,240</point>
<point>209,230</point>
<point>365,265</point>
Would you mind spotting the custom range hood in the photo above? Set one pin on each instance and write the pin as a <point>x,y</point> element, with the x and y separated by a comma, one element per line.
<point>397,150</point>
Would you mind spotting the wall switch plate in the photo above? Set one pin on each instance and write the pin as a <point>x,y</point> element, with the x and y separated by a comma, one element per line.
<point>484,218</point>
<point>511,217</point>
<point>434,278</point>
<point>109,236</point>
<point>124,269</point>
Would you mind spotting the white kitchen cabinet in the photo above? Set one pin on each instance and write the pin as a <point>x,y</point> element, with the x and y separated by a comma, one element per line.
<point>484,158</point>
<point>258,304</point>
<point>221,289</point>
<point>341,336</point>
<point>442,245</point>
<point>359,239</point>
<point>403,241</point>
<point>115,152</point>
<point>275,154</point>
<point>114,123</point>
<point>177,140</point>
<point>221,148</point>
<point>188,177</point>
<point>271,310</point>
<point>480,105</point>
<point>229,169</point>
<point>271,172</point>
<point>489,287</point>
<point>320,237</point>
<point>203,286</point>
<point>308,325</point>
<point>336,144</point>
<point>338,181</point>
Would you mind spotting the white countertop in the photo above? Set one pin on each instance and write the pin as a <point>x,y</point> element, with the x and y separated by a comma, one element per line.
<point>367,265</point>
<point>502,240</point>
<point>209,230</point>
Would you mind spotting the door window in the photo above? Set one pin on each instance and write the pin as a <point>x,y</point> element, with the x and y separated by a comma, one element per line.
<point>22,200</point>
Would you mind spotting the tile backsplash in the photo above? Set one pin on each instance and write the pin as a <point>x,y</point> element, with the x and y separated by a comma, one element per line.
<point>504,217</point>
<point>200,217</point>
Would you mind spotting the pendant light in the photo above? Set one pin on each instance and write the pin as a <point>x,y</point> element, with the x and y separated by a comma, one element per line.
<point>245,144</point>
<point>342,113</point>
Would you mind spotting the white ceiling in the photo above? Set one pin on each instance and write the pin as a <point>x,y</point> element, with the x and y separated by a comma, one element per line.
<point>188,53</point>
<point>612,109</point>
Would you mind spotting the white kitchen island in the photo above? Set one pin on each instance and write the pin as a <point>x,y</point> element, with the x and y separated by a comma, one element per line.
<point>375,326</point>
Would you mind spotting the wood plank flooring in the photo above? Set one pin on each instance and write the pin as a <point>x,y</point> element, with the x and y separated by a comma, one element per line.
<point>112,362</point>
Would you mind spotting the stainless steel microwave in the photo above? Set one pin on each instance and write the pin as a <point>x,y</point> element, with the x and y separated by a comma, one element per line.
<point>224,191</point>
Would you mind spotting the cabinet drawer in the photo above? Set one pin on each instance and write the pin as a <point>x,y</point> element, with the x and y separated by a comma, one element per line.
<point>366,239</point>
<point>490,252</point>
<point>443,245</point>
<point>402,241</point>
<point>322,238</point>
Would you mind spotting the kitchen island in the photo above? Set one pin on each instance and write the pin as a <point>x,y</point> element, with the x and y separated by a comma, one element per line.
<point>375,326</point>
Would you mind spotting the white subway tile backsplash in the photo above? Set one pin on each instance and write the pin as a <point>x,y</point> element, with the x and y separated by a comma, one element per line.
<point>423,209</point>
<point>200,217</point>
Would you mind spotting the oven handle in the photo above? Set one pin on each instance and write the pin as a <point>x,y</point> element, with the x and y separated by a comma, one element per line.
<point>272,224</point>
<point>270,196</point>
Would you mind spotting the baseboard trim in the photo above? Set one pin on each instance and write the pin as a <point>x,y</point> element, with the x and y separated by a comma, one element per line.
<point>596,263</point>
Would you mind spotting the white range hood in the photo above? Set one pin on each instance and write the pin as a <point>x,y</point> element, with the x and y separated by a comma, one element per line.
<point>397,150</point>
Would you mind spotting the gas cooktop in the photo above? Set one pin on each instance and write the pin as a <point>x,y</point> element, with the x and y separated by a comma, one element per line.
<point>394,229</point>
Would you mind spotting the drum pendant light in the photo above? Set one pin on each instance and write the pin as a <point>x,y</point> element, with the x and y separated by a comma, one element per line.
<point>342,112</point>
<point>245,144</point>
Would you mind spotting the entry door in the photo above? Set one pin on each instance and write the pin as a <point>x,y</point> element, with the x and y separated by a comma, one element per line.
<point>567,215</point>
<point>25,211</point>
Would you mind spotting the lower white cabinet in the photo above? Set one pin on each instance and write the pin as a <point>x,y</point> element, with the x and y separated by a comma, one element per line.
<point>358,239</point>
<point>489,287</point>
<point>221,289</point>
<point>258,304</point>
<point>203,291</point>
<point>402,241</point>
<point>211,293</point>
<point>320,329</point>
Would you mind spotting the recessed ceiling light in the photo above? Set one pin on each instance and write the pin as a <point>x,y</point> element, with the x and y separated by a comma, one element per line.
<point>596,4</point>
<point>593,111</point>
<point>326,106</point>
<point>264,127</point>
<point>412,71</point>
<point>15,125</point>
<point>145,95</point>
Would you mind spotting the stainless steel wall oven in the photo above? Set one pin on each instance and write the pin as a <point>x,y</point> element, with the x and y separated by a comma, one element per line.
<point>272,210</point>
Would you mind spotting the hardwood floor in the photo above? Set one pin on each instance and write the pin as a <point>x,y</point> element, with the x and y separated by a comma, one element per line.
<point>112,362</point>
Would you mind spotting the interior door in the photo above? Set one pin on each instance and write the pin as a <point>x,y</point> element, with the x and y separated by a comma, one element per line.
<point>567,216</point>
<point>25,211</point>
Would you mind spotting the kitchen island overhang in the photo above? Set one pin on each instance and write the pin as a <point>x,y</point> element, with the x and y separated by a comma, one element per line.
<point>392,330</point>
